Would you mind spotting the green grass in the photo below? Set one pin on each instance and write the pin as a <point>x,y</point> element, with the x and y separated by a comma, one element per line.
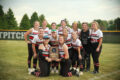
<point>13,63</point>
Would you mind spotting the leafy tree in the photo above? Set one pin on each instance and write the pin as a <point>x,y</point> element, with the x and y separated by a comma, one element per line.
<point>79,25</point>
<point>34,18</point>
<point>25,22</point>
<point>67,22</point>
<point>89,25</point>
<point>103,24</point>
<point>3,22</point>
<point>41,18</point>
<point>111,25</point>
<point>117,23</point>
<point>11,21</point>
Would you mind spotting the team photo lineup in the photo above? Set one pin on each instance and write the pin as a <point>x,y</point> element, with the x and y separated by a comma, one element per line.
<point>72,48</point>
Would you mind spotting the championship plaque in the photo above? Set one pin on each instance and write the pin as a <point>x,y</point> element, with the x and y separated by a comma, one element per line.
<point>54,53</point>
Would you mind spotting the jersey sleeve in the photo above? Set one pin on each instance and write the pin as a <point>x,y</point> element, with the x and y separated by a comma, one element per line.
<point>100,34</point>
<point>79,43</point>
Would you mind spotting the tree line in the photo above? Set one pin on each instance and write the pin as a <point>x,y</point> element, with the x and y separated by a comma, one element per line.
<point>8,21</point>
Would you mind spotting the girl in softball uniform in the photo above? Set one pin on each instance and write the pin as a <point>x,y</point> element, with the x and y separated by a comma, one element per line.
<point>96,42</point>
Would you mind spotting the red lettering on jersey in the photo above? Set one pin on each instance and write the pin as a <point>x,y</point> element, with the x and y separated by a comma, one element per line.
<point>46,55</point>
<point>45,31</point>
<point>69,45</point>
<point>60,49</point>
<point>93,34</point>
<point>31,37</point>
<point>35,32</point>
<point>95,40</point>
<point>46,50</point>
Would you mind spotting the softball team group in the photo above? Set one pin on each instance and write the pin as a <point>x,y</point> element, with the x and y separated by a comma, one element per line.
<point>75,46</point>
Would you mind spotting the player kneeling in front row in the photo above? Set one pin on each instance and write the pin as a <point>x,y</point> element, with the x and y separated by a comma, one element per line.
<point>64,58</point>
<point>76,56</point>
<point>44,59</point>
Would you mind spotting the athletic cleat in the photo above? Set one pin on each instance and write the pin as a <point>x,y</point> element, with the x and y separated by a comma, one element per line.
<point>33,69</point>
<point>95,72</point>
<point>81,73</point>
<point>56,71</point>
<point>29,70</point>
<point>69,74</point>
<point>87,70</point>
<point>37,74</point>
<point>73,71</point>
<point>77,72</point>
<point>52,71</point>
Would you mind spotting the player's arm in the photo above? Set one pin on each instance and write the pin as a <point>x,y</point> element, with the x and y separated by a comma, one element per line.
<point>79,49</point>
<point>79,55</point>
<point>33,46</point>
<point>34,50</point>
<point>100,41</point>
<point>66,51</point>
<point>99,45</point>
<point>26,34</point>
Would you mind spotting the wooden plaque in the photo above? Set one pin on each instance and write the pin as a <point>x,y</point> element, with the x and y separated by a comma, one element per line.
<point>54,53</point>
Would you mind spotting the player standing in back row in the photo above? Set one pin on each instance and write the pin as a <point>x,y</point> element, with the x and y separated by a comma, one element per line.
<point>85,39</point>
<point>31,33</point>
<point>45,28</point>
<point>96,42</point>
<point>63,25</point>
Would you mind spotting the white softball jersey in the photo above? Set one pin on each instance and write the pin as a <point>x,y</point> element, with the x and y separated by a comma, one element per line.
<point>78,31</point>
<point>68,41</point>
<point>37,40</point>
<point>96,35</point>
<point>60,30</point>
<point>47,31</point>
<point>76,43</point>
<point>34,33</point>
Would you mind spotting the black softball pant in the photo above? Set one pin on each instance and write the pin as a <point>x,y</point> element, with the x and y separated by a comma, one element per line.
<point>65,67</point>
<point>44,69</point>
<point>30,55</point>
<point>95,55</point>
<point>76,62</point>
<point>86,57</point>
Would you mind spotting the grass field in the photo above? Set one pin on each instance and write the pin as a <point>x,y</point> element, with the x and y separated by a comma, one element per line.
<point>13,63</point>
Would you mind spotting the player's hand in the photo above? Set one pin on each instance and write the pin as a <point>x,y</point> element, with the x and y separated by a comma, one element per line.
<point>46,58</point>
<point>28,42</point>
<point>98,49</point>
<point>35,55</point>
<point>49,59</point>
<point>80,57</point>
<point>58,60</point>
